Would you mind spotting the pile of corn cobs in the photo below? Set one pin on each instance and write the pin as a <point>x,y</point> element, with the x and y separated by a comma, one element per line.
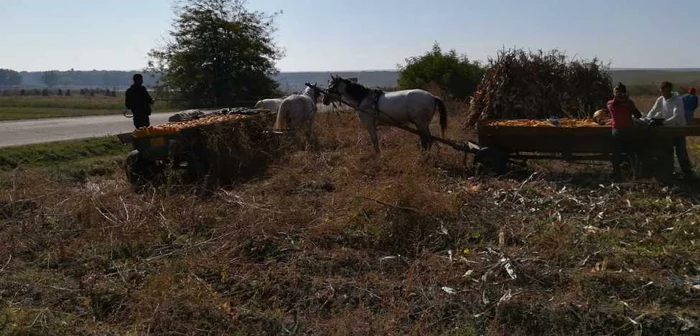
<point>563,122</point>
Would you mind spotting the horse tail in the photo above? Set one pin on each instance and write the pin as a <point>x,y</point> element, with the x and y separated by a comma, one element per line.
<point>258,104</point>
<point>281,122</point>
<point>443,115</point>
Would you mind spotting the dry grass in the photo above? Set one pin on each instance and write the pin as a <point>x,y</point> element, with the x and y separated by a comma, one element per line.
<point>333,241</point>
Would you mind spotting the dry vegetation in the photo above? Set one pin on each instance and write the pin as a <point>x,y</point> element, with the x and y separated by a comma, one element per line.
<point>536,85</point>
<point>330,241</point>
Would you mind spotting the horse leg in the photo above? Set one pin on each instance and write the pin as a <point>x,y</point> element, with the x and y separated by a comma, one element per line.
<point>375,138</point>
<point>371,126</point>
<point>425,138</point>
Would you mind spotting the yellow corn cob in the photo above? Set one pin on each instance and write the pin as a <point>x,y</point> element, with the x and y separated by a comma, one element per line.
<point>564,122</point>
<point>175,128</point>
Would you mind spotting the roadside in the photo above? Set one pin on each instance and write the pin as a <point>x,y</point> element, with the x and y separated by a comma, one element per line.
<point>52,153</point>
<point>31,113</point>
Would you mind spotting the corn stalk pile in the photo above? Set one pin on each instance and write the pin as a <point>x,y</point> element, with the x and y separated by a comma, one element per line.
<point>240,148</point>
<point>537,85</point>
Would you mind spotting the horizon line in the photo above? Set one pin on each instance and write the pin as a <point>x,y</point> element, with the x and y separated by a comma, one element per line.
<point>334,71</point>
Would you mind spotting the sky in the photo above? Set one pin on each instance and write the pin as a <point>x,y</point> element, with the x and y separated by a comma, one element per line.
<point>337,35</point>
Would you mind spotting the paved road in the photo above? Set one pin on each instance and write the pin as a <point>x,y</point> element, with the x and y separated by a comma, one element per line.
<point>24,132</point>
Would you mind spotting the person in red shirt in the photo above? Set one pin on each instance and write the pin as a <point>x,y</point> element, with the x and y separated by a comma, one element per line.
<point>622,110</point>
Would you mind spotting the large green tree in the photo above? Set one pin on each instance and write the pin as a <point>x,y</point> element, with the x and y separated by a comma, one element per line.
<point>455,74</point>
<point>219,53</point>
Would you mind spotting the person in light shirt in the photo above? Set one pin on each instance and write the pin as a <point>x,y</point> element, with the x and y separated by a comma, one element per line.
<point>669,107</point>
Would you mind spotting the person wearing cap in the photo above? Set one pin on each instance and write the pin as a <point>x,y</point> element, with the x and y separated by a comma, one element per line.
<point>669,108</point>
<point>690,104</point>
<point>139,102</point>
<point>622,111</point>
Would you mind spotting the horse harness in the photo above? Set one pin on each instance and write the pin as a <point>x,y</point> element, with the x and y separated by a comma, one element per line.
<point>372,98</point>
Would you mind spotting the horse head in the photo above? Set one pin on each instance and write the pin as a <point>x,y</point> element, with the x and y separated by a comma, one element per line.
<point>336,85</point>
<point>336,88</point>
<point>312,91</point>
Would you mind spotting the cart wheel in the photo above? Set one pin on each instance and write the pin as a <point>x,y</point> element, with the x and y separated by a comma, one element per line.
<point>136,169</point>
<point>492,159</point>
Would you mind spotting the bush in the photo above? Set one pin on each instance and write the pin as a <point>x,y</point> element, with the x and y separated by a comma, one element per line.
<point>454,74</point>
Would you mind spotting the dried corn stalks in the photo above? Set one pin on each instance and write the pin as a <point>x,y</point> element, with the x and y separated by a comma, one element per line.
<point>537,85</point>
<point>237,149</point>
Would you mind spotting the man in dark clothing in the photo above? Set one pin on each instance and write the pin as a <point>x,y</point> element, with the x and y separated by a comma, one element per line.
<point>139,102</point>
<point>622,110</point>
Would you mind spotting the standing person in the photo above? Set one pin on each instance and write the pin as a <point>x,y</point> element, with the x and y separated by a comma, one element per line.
<point>139,102</point>
<point>690,103</point>
<point>669,107</point>
<point>622,109</point>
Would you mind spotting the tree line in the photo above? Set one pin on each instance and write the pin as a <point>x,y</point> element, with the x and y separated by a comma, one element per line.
<point>10,78</point>
<point>72,78</point>
<point>59,92</point>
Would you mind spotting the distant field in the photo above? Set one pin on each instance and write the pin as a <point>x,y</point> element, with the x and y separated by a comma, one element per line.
<point>653,77</point>
<point>72,102</point>
<point>20,113</point>
<point>36,107</point>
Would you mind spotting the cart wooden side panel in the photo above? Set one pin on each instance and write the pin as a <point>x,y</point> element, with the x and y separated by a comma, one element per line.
<point>570,140</point>
<point>546,139</point>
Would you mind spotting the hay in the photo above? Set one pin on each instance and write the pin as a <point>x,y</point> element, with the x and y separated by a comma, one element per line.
<point>238,148</point>
<point>537,85</point>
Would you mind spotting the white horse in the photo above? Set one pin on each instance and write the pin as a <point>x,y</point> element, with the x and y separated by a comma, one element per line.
<point>377,108</point>
<point>272,104</point>
<point>298,110</point>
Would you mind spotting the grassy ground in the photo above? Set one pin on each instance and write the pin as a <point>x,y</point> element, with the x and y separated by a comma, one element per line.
<point>33,107</point>
<point>67,161</point>
<point>21,113</point>
<point>53,153</point>
<point>333,241</point>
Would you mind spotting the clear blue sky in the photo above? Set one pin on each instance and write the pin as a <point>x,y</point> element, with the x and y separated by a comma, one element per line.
<point>323,35</point>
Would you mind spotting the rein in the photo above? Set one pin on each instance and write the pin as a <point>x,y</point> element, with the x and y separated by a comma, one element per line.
<point>375,102</point>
